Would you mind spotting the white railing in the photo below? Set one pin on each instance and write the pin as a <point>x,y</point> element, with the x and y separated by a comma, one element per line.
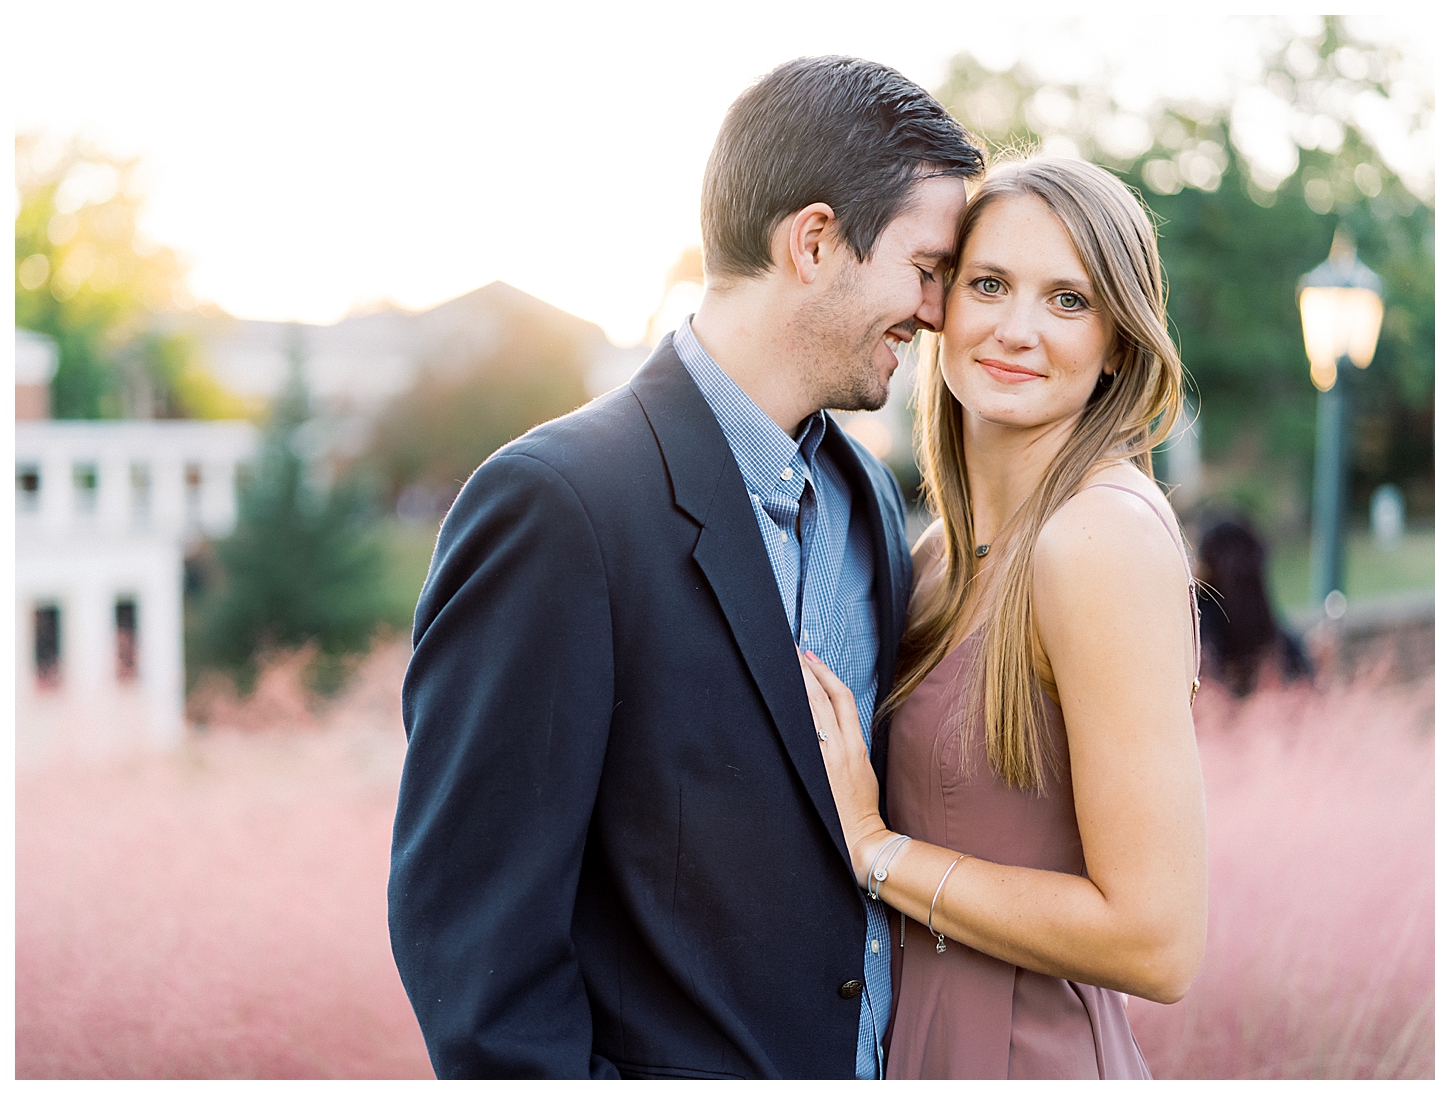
<point>158,478</point>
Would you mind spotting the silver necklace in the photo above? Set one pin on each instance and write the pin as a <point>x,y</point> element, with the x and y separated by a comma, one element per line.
<point>980,551</point>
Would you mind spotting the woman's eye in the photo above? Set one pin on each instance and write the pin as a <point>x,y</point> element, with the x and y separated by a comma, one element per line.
<point>989,285</point>
<point>1071,301</point>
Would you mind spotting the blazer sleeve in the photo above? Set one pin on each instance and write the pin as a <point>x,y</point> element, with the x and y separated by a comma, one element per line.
<point>506,703</point>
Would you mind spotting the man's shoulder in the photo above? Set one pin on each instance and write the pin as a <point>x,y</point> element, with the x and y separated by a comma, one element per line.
<point>604,438</point>
<point>572,473</point>
<point>605,429</point>
<point>603,457</point>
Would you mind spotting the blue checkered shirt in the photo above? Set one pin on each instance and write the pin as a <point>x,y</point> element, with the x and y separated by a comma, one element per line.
<point>820,550</point>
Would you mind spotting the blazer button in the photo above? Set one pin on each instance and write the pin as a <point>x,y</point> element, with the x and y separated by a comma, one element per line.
<point>850,990</point>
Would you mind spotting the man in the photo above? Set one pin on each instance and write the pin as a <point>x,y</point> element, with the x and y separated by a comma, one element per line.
<point>616,851</point>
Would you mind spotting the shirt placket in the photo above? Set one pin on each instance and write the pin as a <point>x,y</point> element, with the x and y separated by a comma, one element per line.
<point>783,505</point>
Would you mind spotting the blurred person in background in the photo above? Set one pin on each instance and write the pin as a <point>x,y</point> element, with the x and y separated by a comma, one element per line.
<point>616,853</point>
<point>1047,849</point>
<point>1246,647</point>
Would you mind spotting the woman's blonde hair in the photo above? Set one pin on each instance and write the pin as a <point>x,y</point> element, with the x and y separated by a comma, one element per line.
<point>1125,417</point>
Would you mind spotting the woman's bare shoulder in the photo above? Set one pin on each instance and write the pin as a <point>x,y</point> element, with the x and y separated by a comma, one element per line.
<point>1123,474</point>
<point>1140,499</point>
<point>1108,564</point>
<point>1113,534</point>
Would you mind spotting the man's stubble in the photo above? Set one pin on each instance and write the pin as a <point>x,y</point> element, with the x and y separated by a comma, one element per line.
<point>838,348</point>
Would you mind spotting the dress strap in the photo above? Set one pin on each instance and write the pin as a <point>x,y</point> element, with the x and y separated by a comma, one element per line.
<point>1182,554</point>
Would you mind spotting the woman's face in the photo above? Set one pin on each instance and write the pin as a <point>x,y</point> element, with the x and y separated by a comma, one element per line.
<point>1025,339</point>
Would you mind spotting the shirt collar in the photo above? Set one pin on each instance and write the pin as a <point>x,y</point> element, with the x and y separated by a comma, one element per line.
<point>762,449</point>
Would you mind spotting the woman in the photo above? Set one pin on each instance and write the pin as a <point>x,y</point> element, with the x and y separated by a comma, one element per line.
<point>1244,644</point>
<point>1047,848</point>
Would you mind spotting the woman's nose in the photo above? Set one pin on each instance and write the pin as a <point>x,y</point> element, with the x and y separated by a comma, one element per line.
<point>1018,328</point>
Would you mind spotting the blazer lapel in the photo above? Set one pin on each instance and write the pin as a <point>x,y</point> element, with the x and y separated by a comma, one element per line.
<point>893,567</point>
<point>707,485</point>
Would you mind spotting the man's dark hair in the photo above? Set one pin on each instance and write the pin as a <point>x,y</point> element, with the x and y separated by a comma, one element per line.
<point>851,133</point>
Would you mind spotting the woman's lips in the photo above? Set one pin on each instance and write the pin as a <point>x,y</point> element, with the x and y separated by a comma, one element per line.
<point>1007,374</point>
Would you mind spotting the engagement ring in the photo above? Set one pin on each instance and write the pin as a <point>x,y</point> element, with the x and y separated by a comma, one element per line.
<point>821,734</point>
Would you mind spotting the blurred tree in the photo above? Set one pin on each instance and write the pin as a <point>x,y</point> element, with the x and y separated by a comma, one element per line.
<point>87,277</point>
<point>305,563</point>
<point>1249,191</point>
<point>466,404</point>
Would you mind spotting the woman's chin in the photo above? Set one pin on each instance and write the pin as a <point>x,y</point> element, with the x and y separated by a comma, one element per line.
<point>1005,414</point>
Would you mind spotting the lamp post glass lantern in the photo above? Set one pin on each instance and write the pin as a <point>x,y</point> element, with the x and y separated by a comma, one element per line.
<point>1341,306</point>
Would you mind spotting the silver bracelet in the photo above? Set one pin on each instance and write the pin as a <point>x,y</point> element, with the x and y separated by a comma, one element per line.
<point>879,853</point>
<point>941,940</point>
<point>878,874</point>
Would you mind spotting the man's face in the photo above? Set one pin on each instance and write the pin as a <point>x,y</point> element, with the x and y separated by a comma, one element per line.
<point>852,329</point>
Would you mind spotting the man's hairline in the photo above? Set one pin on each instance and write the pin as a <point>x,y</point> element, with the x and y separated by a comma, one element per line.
<point>925,171</point>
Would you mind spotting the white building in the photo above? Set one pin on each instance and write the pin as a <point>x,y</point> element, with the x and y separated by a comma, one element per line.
<point>105,513</point>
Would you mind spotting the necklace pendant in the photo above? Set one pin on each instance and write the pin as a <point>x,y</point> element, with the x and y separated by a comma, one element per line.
<point>981,550</point>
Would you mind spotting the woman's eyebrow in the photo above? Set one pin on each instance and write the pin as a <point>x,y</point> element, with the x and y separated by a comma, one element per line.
<point>986,268</point>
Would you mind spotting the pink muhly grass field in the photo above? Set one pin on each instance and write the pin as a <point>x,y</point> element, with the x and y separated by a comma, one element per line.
<point>221,912</point>
<point>1321,944</point>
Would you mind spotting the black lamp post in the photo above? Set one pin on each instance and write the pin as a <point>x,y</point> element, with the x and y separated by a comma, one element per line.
<point>1341,307</point>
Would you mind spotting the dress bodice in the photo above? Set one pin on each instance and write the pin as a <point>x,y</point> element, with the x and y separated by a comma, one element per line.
<point>963,1014</point>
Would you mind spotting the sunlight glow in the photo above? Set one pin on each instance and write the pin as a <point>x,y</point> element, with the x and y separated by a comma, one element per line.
<point>353,158</point>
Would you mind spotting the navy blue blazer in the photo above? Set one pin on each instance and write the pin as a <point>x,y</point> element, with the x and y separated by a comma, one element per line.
<point>616,851</point>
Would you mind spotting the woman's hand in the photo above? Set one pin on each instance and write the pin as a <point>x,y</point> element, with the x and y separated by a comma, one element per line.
<point>848,765</point>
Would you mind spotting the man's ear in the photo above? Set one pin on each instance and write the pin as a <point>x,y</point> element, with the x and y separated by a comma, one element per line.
<point>809,237</point>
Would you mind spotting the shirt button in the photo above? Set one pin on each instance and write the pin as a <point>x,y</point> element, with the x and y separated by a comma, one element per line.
<point>875,947</point>
<point>754,497</point>
<point>787,474</point>
<point>850,990</point>
<point>783,537</point>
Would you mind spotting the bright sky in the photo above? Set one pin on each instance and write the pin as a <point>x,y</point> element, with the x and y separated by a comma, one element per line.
<point>308,158</point>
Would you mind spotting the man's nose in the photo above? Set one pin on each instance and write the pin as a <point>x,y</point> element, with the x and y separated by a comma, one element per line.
<point>932,312</point>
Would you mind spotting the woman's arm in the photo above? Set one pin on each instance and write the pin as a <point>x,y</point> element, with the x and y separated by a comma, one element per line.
<point>1111,602</point>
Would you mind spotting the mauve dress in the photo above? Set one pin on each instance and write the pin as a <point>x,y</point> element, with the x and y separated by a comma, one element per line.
<point>962,1014</point>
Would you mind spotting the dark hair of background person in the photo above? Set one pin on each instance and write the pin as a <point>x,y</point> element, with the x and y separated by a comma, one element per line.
<point>851,133</point>
<point>1240,633</point>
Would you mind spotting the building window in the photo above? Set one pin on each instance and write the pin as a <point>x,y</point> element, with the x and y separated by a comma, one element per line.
<point>193,494</point>
<point>125,638</point>
<point>47,645</point>
<point>140,493</point>
<point>27,488</point>
<point>87,482</point>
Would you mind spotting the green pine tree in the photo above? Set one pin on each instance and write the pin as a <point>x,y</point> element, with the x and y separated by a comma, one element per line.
<point>304,564</point>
